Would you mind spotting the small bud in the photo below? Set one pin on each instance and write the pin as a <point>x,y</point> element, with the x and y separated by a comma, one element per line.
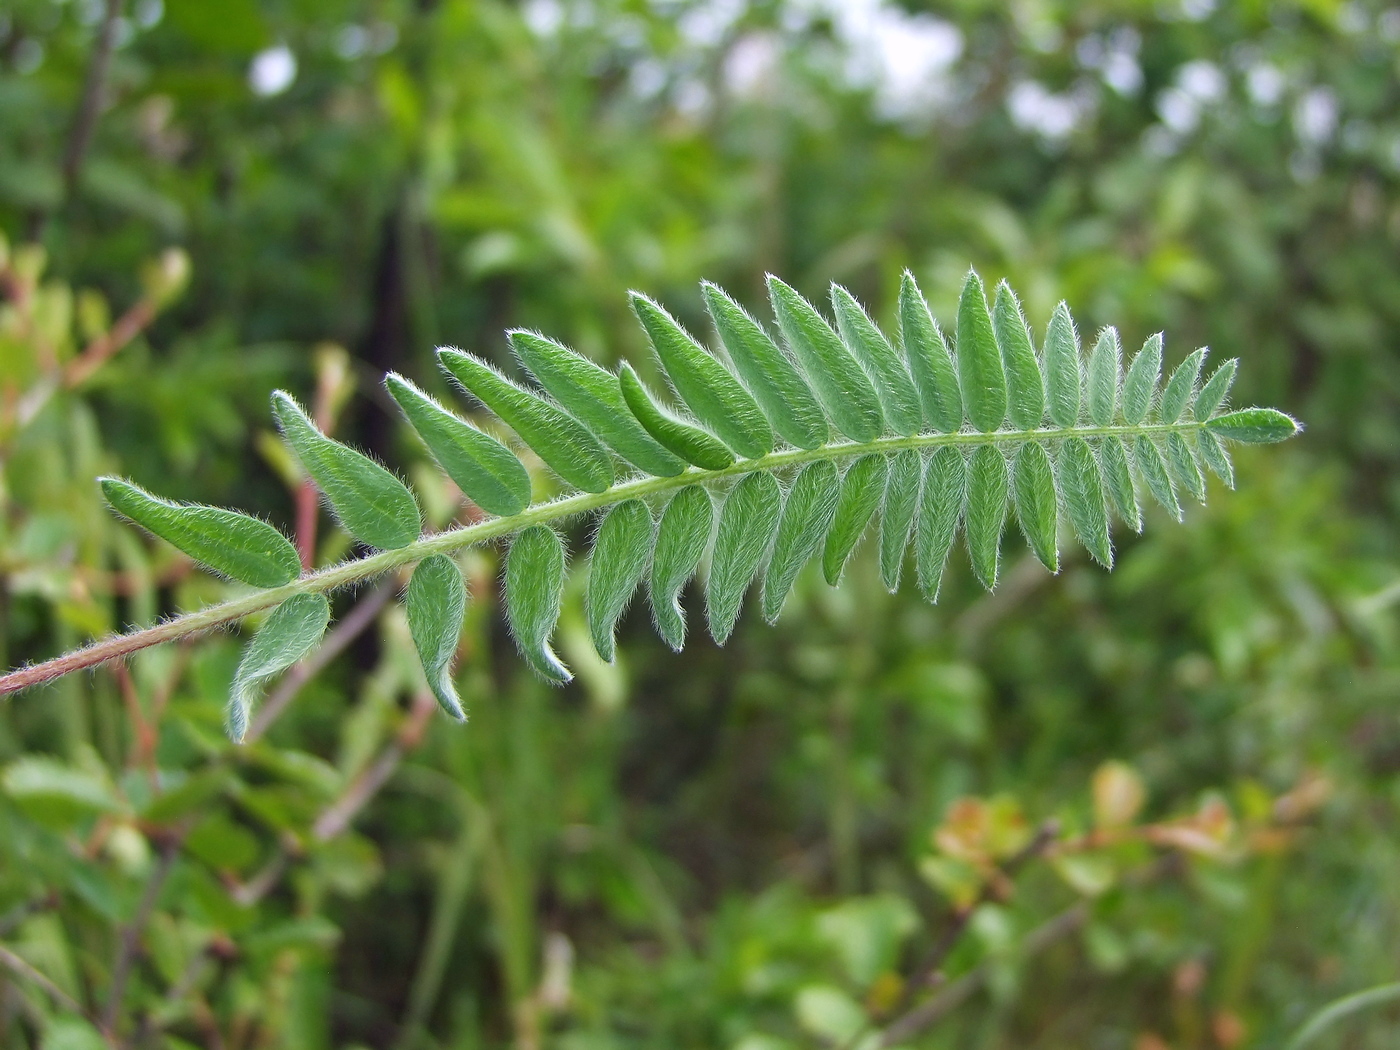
<point>166,278</point>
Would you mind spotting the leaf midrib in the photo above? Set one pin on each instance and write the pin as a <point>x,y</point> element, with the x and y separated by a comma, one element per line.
<point>361,569</point>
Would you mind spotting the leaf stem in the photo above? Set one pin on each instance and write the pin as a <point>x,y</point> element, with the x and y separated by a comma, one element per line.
<point>452,541</point>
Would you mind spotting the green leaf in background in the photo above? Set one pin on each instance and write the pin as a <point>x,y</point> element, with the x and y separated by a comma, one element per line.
<point>488,472</point>
<point>807,516</point>
<point>293,630</point>
<point>1140,384</point>
<point>681,539</point>
<point>435,604</point>
<point>707,388</point>
<point>1036,510</point>
<point>906,473</point>
<point>689,442</point>
<point>883,365</point>
<point>1084,499</point>
<point>1180,387</point>
<point>565,444</point>
<point>534,590</point>
<point>619,561</point>
<point>236,545</point>
<point>987,495</point>
<point>592,395</point>
<point>1102,379</point>
<point>944,493</point>
<point>747,524</point>
<point>980,373</point>
<point>374,506</point>
<point>1024,384</point>
<point>1063,381</point>
<point>1255,426</point>
<point>930,363</point>
<point>841,385</point>
<point>776,383</point>
<point>862,488</point>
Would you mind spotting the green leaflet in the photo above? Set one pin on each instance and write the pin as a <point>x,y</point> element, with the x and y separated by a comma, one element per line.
<point>1182,384</point>
<point>747,524</point>
<point>681,539</point>
<point>1082,491</point>
<point>1101,380</point>
<point>884,365</point>
<point>906,473</point>
<point>1024,385</point>
<point>986,512</point>
<point>374,506</point>
<point>565,444</point>
<point>1215,390</point>
<point>945,487</point>
<point>1215,457</point>
<point>620,555</point>
<point>775,382</point>
<point>488,472</point>
<point>689,442</point>
<point>980,373</point>
<point>1154,471</point>
<point>1062,378</point>
<point>233,544</point>
<point>534,589</point>
<point>1183,467</point>
<point>807,515</point>
<point>1254,426</point>
<point>708,389</point>
<point>861,491</point>
<point>1140,384</point>
<point>435,603</point>
<point>1035,502</point>
<point>1118,481</point>
<point>841,385</point>
<point>591,394</point>
<point>930,363</point>
<point>293,630</point>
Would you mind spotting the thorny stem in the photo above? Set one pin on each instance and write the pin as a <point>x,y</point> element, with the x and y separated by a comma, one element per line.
<point>458,539</point>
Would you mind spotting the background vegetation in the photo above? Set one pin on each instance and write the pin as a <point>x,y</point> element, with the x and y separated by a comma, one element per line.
<point>773,845</point>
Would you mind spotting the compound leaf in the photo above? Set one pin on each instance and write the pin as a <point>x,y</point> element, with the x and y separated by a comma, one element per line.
<point>1153,469</point>
<point>1024,384</point>
<point>708,389</point>
<point>1140,384</point>
<point>1215,457</point>
<point>1254,426</point>
<point>747,524</point>
<point>1183,467</point>
<point>1101,380</point>
<point>435,604</point>
<point>1182,384</point>
<point>892,380</point>
<point>681,538</point>
<point>930,363</point>
<point>534,589</point>
<point>906,473</point>
<point>233,544</point>
<point>775,382</point>
<point>566,445</point>
<point>689,442</point>
<point>807,515</point>
<point>591,394</point>
<point>1082,491</point>
<point>841,385</point>
<point>1062,379</point>
<point>861,491</point>
<point>619,561</point>
<point>488,472</point>
<point>1036,509</point>
<point>1118,481</point>
<point>940,508</point>
<point>980,374</point>
<point>986,512</point>
<point>1215,390</point>
<point>374,506</point>
<point>293,630</point>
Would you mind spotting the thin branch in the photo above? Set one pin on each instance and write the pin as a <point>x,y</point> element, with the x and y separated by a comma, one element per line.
<point>130,941</point>
<point>18,966</point>
<point>458,539</point>
<point>958,992</point>
<point>102,349</point>
<point>90,105</point>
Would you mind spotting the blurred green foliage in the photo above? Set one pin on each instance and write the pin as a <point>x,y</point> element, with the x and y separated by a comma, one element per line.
<point>751,848</point>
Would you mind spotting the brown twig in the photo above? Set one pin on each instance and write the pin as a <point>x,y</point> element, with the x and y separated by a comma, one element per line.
<point>98,352</point>
<point>90,104</point>
<point>958,992</point>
